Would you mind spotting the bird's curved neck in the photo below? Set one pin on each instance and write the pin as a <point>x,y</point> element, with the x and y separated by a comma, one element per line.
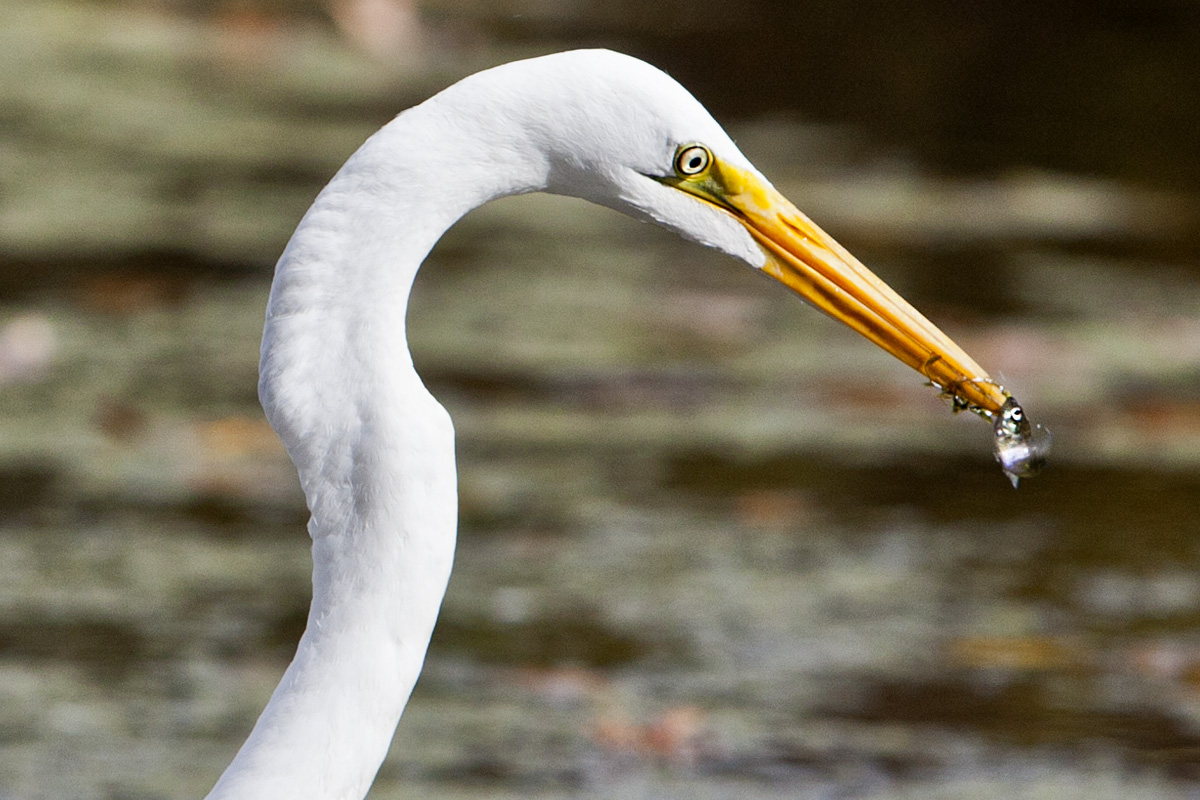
<point>373,449</point>
<point>335,328</point>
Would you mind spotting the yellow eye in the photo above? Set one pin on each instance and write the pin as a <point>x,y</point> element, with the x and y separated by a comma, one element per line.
<point>692,159</point>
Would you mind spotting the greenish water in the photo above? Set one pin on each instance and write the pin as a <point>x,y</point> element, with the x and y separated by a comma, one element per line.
<point>711,544</point>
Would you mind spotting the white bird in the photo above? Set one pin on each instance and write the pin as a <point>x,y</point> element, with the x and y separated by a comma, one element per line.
<point>375,451</point>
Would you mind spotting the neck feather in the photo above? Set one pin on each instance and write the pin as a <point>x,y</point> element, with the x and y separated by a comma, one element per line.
<point>374,450</point>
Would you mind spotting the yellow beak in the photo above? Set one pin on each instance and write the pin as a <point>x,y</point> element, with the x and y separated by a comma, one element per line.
<point>809,262</point>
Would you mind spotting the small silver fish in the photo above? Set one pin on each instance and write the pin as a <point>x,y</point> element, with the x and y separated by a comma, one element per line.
<point>1021,448</point>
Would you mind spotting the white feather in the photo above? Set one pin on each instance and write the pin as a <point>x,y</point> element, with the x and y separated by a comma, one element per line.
<point>374,450</point>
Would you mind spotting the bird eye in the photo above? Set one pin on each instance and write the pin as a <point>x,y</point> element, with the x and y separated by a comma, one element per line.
<point>692,159</point>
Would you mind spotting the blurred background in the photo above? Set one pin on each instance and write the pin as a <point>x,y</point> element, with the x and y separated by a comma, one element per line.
<point>712,545</point>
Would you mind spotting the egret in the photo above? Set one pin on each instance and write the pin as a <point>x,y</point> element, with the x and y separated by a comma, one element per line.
<point>375,451</point>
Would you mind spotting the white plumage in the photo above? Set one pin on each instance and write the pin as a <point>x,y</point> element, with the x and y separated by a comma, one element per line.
<point>375,451</point>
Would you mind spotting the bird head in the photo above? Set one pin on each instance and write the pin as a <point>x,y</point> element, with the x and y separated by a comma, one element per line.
<point>619,132</point>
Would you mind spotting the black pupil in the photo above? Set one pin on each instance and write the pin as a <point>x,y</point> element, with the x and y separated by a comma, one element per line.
<point>692,161</point>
